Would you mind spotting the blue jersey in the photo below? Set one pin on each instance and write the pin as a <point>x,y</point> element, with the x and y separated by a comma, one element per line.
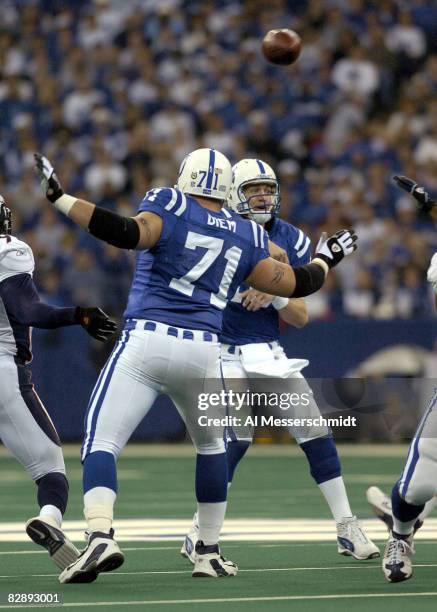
<point>241,326</point>
<point>201,258</point>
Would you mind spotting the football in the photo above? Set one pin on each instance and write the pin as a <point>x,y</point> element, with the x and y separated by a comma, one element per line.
<point>281,46</point>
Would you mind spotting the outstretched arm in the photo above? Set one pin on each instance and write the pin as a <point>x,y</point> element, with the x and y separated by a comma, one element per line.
<point>140,232</point>
<point>277,278</point>
<point>22,302</point>
<point>423,200</point>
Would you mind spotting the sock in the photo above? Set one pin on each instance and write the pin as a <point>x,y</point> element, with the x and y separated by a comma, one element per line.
<point>53,493</point>
<point>51,512</point>
<point>99,470</point>
<point>235,451</point>
<point>211,493</point>
<point>325,468</point>
<point>335,494</point>
<point>99,508</point>
<point>210,517</point>
<point>404,514</point>
<point>428,508</point>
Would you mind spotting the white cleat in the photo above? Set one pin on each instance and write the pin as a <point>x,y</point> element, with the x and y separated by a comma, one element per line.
<point>381,506</point>
<point>209,563</point>
<point>101,555</point>
<point>46,533</point>
<point>396,563</point>
<point>352,540</point>
<point>188,549</point>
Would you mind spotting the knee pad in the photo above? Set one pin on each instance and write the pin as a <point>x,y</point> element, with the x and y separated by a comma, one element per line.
<point>323,459</point>
<point>53,490</point>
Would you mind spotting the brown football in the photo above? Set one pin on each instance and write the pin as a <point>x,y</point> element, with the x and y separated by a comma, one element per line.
<point>281,46</point>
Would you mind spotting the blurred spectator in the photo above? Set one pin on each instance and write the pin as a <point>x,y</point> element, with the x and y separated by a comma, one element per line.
<point>118,92</point>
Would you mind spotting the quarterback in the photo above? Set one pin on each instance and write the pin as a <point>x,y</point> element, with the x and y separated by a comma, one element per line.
<point>25,427</point>
<point>193,256</point>
<point>250,350</point>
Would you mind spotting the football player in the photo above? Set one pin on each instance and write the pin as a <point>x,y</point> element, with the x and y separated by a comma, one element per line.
<point>412,497</point>
<point>25,427</point>
<point>251,328</point>
<point>193,255</point>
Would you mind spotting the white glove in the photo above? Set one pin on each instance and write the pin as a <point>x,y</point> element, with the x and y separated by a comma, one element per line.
<point>432,273</point>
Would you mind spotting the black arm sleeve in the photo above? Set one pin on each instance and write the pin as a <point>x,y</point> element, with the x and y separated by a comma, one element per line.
<point>309,279</point>
<point>21,300</point>
<point>121,232</point>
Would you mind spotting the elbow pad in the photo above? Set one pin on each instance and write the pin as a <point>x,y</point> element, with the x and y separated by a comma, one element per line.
<point>309,279</point>
<point>121,232</point>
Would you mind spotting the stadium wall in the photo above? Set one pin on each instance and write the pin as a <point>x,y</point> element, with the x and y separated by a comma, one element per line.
<point>64,372</point>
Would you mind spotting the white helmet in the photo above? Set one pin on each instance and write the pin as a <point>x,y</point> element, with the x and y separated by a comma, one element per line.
<point>252,172</point>
<point>207,173</point>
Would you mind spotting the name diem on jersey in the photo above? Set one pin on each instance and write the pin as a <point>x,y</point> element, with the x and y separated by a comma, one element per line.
<point>222,223</point>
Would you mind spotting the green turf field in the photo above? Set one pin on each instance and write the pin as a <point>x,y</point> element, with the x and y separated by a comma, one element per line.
<point>283,575</point>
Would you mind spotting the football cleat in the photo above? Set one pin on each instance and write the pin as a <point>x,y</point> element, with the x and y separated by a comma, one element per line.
<point>102,554</point>
<point>188,549</point>
<point>396,563</point>
<point>381,506</point>
<point>209,563</point>
<point>44,533</point>
<point>352,540</point>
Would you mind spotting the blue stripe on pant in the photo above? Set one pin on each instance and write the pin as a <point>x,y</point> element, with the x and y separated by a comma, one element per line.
<point>101,397</point>
<point>414,451</point>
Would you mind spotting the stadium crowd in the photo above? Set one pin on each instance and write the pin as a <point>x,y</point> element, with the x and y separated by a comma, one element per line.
<point>116,92</point>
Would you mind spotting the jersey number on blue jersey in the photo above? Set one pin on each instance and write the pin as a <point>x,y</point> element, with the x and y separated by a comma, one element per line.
<point>213,248</point>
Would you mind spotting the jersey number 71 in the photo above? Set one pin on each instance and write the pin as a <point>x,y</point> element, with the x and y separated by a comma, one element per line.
<point>213,247</point>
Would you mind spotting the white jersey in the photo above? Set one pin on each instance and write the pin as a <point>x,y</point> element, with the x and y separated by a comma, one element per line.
<point>16,257</point>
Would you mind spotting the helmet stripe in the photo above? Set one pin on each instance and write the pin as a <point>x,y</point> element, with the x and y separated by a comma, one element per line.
<point>211,166</point>
<point>261,166</point>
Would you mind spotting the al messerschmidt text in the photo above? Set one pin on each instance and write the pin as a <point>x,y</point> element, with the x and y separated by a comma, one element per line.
<point>272,421</point>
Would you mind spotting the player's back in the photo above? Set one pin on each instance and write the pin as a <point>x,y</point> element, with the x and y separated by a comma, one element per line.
<point>241,326</point>
<point>201,258</point>
<point>16,257</point>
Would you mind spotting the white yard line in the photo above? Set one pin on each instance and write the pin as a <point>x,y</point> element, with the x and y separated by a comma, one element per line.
<point>157,602</point>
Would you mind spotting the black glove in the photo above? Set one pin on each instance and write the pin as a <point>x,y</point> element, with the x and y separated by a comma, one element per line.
<point>96,323</point>
<point>333,249</point>
<point>424,202</point>
<point>49,181</point>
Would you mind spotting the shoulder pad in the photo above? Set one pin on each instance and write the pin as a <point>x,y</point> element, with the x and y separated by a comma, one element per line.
<point>301,242</point>
<point>16,257</point>
<point>171,200</point>
<point>260,237</point>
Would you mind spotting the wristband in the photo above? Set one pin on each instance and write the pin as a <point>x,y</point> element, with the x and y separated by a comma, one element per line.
<point>65,203</point>
<point>280,302</point>
<point>322,263</point>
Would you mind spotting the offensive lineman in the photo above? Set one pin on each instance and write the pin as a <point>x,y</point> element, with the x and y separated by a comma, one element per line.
<point>194,254</point>
<point>251,327</point>
<point>25,427</point>
<point>412,497</point>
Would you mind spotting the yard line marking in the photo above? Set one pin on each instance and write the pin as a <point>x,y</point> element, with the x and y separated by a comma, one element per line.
<point>260,569</point>
<point>249,530</point>
<point>157,602</point>
<point>358,566</point>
